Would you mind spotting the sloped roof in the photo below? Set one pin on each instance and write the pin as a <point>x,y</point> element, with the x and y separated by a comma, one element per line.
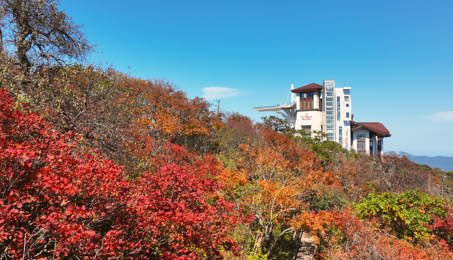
<point>307,88</point>
<point>375,127</point>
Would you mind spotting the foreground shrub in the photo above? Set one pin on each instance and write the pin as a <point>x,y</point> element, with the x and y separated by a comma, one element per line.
<point>405,215</point>
<point>58,203</point>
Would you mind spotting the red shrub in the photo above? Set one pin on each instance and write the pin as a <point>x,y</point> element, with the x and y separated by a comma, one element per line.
<point>55,202</point>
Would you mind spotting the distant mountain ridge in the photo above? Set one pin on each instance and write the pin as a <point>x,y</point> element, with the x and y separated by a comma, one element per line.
<point>441,162</point>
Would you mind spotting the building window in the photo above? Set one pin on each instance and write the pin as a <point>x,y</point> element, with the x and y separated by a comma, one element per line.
<point>338,109</point>
<point>330,136</point>
<point>307,130</point>
<point>347,105</point>
<point>340,135</point>
<point>346,98</point>
<point>347,114</point>
<point>361,141</point>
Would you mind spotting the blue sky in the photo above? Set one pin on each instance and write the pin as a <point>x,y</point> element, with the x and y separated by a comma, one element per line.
<point>397,56</point>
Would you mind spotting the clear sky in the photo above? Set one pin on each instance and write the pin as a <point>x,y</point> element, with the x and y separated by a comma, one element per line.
<point>397,56</point>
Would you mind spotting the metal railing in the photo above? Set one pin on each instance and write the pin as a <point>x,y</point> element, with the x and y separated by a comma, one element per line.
<point>276,106</point>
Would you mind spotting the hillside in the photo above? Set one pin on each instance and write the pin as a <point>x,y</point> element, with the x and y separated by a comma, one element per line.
<point>441,162</point>
<point>98,164</point>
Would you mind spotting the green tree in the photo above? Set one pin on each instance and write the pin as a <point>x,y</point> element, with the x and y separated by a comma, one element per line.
<point>405,215</point>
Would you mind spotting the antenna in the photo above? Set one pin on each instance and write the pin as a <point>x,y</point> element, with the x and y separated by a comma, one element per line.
<point>218,106</point>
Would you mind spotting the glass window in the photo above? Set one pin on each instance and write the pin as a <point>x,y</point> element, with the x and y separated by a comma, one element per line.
<point>329,104</point>
<point>329,93</point>
<point>347,105</point>
<point>329,108</point>
<point>330,136</point>
<point>338,109</point>
<point>347,114</point>
<point>361,140</point>
<point>329,99</point>
<point>329,117</point>
<point>346,98</point>
<point>307,95</point>
<point>307,130</point>
<point>329,127</point>
<point>329,113</point>
<point>340,135</point>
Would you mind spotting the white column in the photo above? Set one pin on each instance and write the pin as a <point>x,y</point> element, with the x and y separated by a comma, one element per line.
<point>315,100</point>
<point>382,144</point>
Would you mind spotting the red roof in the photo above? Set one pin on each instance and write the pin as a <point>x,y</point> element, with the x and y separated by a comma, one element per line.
<point>377,128</point>
<point>307,88</point>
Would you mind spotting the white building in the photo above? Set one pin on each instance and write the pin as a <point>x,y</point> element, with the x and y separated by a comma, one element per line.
<point>328,109</point>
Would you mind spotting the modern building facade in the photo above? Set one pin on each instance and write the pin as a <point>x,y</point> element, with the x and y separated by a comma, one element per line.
<point>328,109</point>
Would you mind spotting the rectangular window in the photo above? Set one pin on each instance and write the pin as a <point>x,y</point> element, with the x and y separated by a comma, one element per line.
<point>329,104</point>
<point>329,113</point>
<point>307,130</point>
<point>329,93</point>
<point>307,95</point>
<point>361,141</point>
<point>346,98</point>
<point>340,135</point>
<point>347,105</point>
<point>338,109</point>
<point>329,99</point>
<point>347,114</point>
<point>329,127</point>
<point>330,136</point>
<point>329,108</point>
<point>329,117</point>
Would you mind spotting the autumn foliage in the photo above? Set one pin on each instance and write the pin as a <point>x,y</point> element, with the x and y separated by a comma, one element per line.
<point>98,164</point>
<point>57,202</point>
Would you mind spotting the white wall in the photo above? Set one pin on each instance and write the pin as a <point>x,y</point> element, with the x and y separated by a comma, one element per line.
<point>367,139</point>
<point>314,119</point>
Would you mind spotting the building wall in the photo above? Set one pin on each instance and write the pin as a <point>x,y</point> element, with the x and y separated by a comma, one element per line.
<point>312,118</point>
<point>343,116</point>
<point>329,108</point>
<point>367,140</point>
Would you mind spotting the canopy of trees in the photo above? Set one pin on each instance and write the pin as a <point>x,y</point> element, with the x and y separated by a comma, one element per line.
<point>96,164</point>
